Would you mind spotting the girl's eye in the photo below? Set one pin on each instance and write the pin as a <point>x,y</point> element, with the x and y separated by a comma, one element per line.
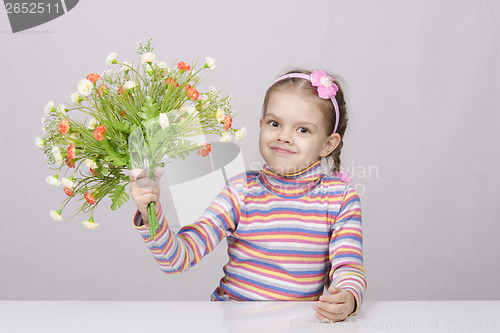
<point>303,130</point>
<point>273,123</point>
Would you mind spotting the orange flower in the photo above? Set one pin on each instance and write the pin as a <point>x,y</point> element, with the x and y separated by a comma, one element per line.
<point>64,126</point>
<point>192,92</point>
<point>183,66</point>
<point>93,77</point>
<point>69,192</point>
<point>227,122</point>
<point>205,149</point>
<point>89,197</point>
<point>102,89</point>
<point>70,162</point>
<point>172,82</point>
<point>71,152</point>
<point>120,90</point>
<point>92,171</point>
<point>99,132</point>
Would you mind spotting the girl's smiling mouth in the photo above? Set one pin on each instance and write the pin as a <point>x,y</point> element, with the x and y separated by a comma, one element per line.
<point>282,150</point>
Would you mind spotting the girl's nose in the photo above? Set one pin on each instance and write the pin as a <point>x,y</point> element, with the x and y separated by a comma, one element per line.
<point>284,136</point>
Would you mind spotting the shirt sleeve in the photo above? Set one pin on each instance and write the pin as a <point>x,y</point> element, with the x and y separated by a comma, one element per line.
<point>176,253</point>
<point>345,251</point>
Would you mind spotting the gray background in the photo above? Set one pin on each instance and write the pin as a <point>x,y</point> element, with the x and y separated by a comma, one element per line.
<point>422,80</point>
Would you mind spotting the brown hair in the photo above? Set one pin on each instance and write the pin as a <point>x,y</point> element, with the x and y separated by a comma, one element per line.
<point>326,106</point>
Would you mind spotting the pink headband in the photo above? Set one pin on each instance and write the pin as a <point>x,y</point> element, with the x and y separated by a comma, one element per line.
<point>326,88</point>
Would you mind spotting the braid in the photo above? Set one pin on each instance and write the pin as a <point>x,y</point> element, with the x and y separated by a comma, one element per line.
<point>343,119</point>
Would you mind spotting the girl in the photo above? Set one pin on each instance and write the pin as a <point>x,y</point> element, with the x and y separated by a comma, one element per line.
<point>290,228</point>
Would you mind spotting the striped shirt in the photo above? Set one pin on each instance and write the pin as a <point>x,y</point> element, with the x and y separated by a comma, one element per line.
<point>287,236</point>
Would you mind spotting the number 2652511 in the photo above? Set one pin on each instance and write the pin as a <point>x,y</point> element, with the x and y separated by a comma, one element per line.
<point>31,7</point>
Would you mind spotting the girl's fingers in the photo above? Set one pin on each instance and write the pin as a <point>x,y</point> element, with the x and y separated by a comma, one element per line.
<point>136,174</point>
<point>330,308</point>
<point>326,316</point>
<point>146,184</point>
<point>337,295</point>
<point>149,197</point>
<point>144,190</point>
<point>335,290</point>
<point>145,200</point>
<point>158,173</point>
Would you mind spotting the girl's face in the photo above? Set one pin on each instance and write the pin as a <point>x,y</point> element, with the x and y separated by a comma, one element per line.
<point>293,133</point>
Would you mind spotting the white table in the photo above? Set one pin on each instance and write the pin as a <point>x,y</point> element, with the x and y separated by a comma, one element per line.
<point>255,317</point>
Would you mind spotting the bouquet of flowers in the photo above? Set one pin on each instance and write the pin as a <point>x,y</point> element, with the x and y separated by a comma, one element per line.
<point>129,118</point>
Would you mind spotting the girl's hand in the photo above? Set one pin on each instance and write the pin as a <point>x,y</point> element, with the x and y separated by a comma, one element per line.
<point>336,306</point>
<point>144,190</point>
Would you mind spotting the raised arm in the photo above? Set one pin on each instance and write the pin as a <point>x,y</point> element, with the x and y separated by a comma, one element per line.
<point>176,253</point>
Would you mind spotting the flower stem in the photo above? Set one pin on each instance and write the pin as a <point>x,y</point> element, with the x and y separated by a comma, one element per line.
<point>153,220</point>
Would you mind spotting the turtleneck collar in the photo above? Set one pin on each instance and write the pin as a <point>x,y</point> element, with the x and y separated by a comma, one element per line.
<point>294,185</point>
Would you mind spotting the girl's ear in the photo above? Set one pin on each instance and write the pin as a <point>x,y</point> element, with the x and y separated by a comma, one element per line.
<point>331,143</point>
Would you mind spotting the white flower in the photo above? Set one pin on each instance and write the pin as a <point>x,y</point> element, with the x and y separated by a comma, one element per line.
<point>39,143</point>
<point>240,134</point>
<point>148,68</point>
<point>92,124</point>
<point>53,181</point>
<point>68,183</point>
<point>48,107</point>
<point>147,57</point>
<point>90,225</point>
<point>76,98</point>
<point>225,137</point>
<point>164,67</point>
<point>126,66</point>
<point>211,63</point>
<point>219,115</point>
<point>59,159</point>
<point>84,87</point>
<point>90,163</point>
<point>129,85</point>
<point>164,122</point>
<point>56,153</point>
<point>111,59</point>
<point>56,215</point>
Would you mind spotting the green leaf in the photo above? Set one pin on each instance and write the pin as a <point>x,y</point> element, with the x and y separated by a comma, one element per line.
<point>112,155</point>
<point>119,196</point>
<point>181,148</point>
<point>150,109</point>
<point>121,126</point>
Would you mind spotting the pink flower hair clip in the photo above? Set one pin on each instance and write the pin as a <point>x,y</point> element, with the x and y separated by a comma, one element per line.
<point>327,89</point>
